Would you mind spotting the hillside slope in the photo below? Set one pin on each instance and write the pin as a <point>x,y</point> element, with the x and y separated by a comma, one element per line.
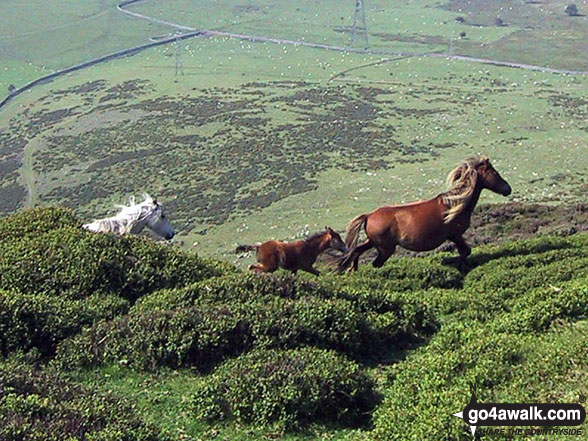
<point>110,338</point>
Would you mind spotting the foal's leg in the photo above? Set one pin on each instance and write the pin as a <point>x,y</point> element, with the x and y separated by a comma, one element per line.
<point>258,268</point>
<point>311,270</point>
<point>383,255</point>
<point>462,247</point>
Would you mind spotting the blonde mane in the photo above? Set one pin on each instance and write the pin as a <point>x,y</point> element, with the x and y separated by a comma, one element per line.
<point>462,183</point>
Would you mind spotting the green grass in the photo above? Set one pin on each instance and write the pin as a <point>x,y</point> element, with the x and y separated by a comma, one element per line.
<point>407,339</point>
<point>37,37</point>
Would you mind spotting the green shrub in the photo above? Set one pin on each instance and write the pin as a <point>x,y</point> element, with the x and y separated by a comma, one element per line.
<point>433,383</point>
<point>540,308</point>
<point>515,273</point>
<point>75,263</point>
<point>236,287</point>
<point>331,324</point>
<point>38,405</point>
<point>404,317</point>
<point>204,334</point>
<point>182,337</point>
<point>36,221</point>
<point>292,388</point>
<point>406,274</point>
<point>39,321</point>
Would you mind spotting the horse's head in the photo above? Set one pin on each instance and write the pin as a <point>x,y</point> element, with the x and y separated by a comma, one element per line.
<point>489,178</point>
<point>335,241</point>
<point>156,219</point>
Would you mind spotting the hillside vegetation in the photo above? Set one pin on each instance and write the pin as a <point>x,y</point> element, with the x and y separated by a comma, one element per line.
<point>110,338</point>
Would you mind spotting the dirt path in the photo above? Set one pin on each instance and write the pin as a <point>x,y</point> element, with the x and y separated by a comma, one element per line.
<point>27,173</point>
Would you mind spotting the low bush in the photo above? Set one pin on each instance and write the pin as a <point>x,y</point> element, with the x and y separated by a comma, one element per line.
<point>433,383</point>
<point>516,274</point>
<point>41,405</point>
<point>75,263</point>
<point>404,317</point>
<point>39,321</point>
<point>182,337</point>
<point>406,274</point>
<point>291,388</point>
<point>540,308</point>
<point>204,334</point>
<point>237,287</point>
<point>36,221</point>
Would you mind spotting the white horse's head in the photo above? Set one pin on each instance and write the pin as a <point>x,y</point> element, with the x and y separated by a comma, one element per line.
<point>155,218</point>
<point>133,218</point>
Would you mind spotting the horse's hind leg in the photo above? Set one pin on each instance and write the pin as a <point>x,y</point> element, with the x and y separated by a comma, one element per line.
<point>357,254</point>
<point>383,255</point>
<point>262,267</point>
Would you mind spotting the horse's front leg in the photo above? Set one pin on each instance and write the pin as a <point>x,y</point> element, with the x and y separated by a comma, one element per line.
<point>462,247</point>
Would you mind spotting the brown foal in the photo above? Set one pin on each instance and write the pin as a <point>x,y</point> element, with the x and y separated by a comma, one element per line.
<point>424,225</point>
<point>294,256</point>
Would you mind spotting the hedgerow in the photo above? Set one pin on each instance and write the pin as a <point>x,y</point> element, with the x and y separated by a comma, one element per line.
<point>291,388</point>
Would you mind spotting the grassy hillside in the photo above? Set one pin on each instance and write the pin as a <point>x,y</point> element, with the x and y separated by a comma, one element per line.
<point>144,342</point>
<point>262,140</point>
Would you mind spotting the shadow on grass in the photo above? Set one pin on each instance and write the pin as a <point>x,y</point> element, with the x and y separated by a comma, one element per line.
<point>479,259</point>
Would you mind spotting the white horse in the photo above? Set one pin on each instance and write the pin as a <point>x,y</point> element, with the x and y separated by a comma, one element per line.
<point>135,217</point>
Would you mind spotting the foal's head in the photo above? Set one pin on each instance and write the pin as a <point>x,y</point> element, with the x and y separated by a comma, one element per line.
<point>489,178</point>
<point>335,241</point>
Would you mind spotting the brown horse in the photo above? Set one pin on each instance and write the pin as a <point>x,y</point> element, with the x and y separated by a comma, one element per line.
<point>294,256</point>
<point>424,225</point>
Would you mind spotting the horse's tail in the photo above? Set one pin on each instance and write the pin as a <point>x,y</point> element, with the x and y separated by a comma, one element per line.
<point>244,248</point>
<point>353,230</point>
<point>351,240</point>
